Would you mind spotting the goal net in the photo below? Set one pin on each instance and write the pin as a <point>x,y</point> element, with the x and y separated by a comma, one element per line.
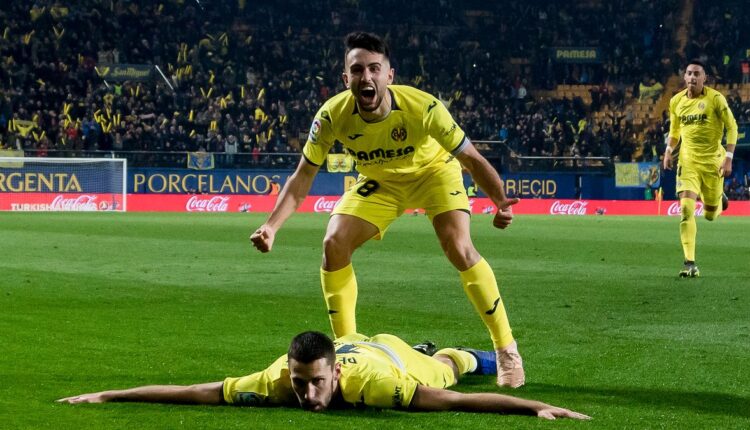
<point>63,184</point>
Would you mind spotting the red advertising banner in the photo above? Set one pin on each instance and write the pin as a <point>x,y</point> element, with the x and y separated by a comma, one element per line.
<point>617,207</point>
<point>256,203</point>
<point>50,202</point>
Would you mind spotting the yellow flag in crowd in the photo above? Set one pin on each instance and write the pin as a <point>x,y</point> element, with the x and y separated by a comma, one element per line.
<point>27,37</point>
<point>58,32</point>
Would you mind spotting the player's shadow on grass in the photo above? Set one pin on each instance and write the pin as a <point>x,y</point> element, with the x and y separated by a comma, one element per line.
<point>712,402</point>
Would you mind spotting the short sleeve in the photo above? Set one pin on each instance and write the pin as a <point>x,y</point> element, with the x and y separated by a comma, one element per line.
<point>441,127</point>
<point>269,387</point>
<point>320,139</point>
<point>389,392</point>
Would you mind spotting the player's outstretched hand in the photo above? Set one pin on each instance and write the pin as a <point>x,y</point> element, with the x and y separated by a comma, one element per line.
<point>262,238</point>
<point>504,216</point>
<point>99,397</point>
<point>552,412</point>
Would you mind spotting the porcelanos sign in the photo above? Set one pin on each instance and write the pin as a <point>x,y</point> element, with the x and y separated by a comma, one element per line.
<point>181,181</point>
<point>255,181</point>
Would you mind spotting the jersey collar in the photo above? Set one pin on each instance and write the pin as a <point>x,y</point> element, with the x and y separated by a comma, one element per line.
<point>703,93</point>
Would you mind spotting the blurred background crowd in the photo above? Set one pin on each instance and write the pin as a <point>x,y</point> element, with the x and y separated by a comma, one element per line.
<point>241,77</point>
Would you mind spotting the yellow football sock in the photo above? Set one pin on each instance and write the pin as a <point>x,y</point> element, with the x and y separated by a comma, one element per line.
<point>481,287</point>
<point>688,229</point>
<point>465,362</point>
<point>340,293</point>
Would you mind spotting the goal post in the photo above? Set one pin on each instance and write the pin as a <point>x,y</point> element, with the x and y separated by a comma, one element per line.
<point>63,184</point>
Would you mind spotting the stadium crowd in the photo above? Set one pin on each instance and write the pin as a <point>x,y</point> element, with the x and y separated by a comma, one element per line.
<point>247,77</point>
<point>719,39</point>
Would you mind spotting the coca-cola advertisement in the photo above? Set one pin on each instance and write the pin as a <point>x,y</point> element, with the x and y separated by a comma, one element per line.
<point>325,204</point>
<point>63,202</point>
<point>675,210</point>
<point>207,204</point>
<point>576,207</point>
<point>84,202</point>
<point>200,203</point>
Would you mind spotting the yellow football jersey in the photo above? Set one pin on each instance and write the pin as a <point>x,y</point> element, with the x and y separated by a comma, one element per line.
<point>418,133</point>
<point>701,121</point>
<point>374,372</point>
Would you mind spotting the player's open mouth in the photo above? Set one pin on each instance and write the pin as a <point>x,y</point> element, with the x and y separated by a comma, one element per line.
<point>368,94</point>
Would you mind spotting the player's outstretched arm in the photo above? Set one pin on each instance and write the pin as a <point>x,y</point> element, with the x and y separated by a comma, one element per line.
<point>291,196</point>
<point>438,399</point>
<point>200,394</point>
<point>489,181</point>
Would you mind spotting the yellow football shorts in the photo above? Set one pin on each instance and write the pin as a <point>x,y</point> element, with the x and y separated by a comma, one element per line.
<point>702,179</point>
<point>421,368</point>
<point>381,202</point>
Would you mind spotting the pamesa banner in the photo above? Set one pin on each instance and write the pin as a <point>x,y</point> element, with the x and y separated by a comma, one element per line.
<point>578,54</point>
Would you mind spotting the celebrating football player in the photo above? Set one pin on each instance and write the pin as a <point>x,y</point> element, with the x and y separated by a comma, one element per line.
<point>409,152</point>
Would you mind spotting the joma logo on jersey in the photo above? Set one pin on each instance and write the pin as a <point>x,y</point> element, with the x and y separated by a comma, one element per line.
<point>380,153</point>
<point>398,134</point>
<point>690,119</point>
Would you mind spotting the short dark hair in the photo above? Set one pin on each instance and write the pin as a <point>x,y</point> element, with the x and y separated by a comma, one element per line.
<point>310,346</point>
<point>697,62</point>
<point>367,41</point>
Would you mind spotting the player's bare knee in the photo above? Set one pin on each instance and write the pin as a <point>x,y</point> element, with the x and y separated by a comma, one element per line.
<point>333,242</point>
<point>336,251</point>
<point>462,256</point>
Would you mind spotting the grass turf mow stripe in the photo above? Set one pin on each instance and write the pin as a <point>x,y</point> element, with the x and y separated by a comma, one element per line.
<point>100,301</point>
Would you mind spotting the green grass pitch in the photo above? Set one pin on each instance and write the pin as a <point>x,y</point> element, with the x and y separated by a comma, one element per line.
<point>98,301</point>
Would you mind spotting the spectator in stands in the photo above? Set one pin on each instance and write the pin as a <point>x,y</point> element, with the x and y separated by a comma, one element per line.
<point>735,190</point>
<point>220,66</point>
